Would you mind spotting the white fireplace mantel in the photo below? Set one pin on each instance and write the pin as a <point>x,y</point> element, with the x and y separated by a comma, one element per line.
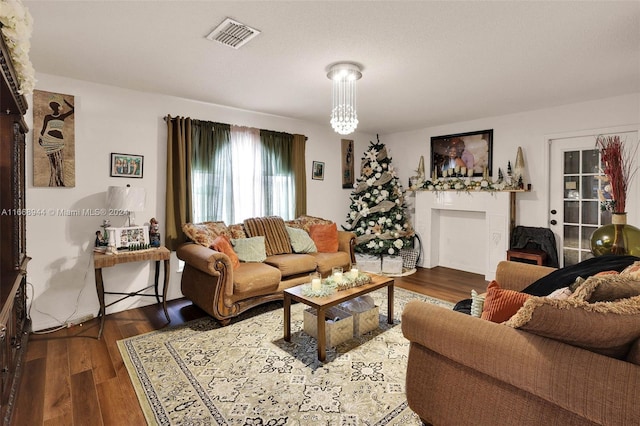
<point>496,208</point>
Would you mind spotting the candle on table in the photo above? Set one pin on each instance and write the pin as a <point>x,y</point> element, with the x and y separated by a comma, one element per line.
<point>316,283</point>
<point>337,274</point>
<point>354,273</point>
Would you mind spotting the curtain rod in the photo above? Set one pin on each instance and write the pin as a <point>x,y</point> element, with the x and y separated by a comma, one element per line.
<point>166,118</point>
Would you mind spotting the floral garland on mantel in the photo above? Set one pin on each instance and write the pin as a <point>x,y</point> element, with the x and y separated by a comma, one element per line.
<point>466,185</point>
<point>16,25</point>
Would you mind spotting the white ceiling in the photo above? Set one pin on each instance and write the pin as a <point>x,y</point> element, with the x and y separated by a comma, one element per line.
<point>424,63</point>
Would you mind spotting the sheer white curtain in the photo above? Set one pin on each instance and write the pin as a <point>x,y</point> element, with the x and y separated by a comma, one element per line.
<point>247,173</point>
<point>241,172</point>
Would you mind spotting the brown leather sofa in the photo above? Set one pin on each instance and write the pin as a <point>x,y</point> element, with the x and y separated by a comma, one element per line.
<point>212,283</point>
<point>466,370</point>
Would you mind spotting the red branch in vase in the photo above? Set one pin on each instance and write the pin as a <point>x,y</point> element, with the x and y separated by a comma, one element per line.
<point>618,167</point>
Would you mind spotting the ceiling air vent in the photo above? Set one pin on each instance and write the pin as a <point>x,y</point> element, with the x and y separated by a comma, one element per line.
<point>232,33</point>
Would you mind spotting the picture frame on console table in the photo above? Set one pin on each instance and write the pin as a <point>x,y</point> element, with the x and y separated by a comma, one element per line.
<point>470,152</point>
<point>123,237</point>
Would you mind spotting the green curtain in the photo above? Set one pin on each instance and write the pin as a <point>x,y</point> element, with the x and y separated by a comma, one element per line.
<point>212,171</point>
<point>178,202</point>
<point>300,174</point>
<point>278,184</point>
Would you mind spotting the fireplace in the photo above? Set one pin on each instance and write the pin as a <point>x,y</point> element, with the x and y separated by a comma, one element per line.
<point>477,224</point>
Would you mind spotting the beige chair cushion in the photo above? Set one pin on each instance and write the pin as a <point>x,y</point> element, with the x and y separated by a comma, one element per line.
<point>292,264</point>
<point>326,261</point>
<point>255,279</point>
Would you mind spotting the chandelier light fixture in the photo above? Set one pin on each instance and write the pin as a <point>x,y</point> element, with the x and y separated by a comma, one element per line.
<point>344,118</point>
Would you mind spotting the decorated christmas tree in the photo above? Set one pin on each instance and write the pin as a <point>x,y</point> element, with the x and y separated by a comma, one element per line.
<point>377,215</point>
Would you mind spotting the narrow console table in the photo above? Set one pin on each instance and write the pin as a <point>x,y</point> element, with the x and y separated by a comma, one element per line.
<point>101,260</point>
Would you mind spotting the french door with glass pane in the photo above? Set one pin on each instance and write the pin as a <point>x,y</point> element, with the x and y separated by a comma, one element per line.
<point>576,189</point>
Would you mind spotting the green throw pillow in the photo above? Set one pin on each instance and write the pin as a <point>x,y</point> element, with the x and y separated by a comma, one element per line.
<point>250,249</point>
<point>301,242</point>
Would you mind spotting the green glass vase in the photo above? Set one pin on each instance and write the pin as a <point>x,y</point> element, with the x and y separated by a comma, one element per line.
<point>617,238</point>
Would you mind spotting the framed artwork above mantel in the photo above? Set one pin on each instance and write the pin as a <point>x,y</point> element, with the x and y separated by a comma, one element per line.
<point>462,154</point>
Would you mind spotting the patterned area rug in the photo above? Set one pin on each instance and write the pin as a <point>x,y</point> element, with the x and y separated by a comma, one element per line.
<point>246,374</point>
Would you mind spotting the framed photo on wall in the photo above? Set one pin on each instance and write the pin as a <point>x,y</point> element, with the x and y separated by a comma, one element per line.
<point>317,170</point>
<point>462,154</point>
<point>126,165</point>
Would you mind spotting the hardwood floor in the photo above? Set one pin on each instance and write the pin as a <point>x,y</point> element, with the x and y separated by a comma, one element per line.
<point>70,378</point>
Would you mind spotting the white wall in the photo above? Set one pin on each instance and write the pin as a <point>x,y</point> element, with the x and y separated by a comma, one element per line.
<point>529,130</point>
<point>110,119</point>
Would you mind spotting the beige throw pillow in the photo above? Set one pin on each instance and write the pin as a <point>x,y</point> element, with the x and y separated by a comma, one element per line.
<point>607,288</point>
<point>205,233</point>
<point>608,328</point>
<point>250,249</point>
<point>301,242</point>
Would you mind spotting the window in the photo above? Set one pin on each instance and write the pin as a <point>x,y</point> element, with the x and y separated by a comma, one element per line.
<point>241,172</point>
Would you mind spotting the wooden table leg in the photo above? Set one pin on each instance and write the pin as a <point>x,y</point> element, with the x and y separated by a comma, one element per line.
<point>287,317</point>
<point>165,286</point>
<point>390,304</point>
<point>100,291</point>
<point>322,336</point>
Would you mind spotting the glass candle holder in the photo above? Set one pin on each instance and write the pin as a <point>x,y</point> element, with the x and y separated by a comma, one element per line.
<point>354,271</point>
<point>316,280</point>
<point>336,273</point>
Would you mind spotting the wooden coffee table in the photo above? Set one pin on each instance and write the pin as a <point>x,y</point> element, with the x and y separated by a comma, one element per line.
<point>321,304</point>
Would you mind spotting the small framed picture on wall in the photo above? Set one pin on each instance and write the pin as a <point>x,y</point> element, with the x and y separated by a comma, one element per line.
<point>317,170</point>
<point>126,165</point>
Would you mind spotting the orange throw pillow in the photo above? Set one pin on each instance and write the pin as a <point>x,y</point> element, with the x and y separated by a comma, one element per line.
<point>325,237</point>
<point>223,245</point>
<point>501,304</point>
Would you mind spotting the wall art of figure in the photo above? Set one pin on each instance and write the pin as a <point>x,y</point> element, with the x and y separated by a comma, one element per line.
<point>53,139</point>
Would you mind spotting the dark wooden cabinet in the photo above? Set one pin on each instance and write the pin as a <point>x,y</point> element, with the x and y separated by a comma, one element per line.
<point>14,322</point>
